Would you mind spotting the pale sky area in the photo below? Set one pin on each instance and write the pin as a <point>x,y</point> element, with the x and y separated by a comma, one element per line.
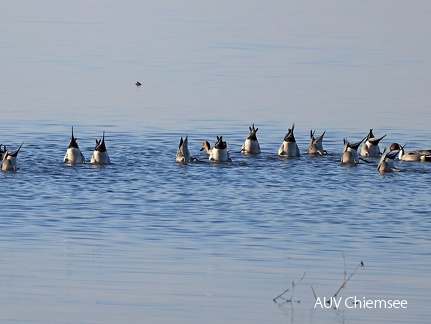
<point>147,239</point>
<point>335,64</point>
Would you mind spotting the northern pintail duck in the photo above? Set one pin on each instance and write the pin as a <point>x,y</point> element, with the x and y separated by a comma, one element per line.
<point>100,154</point>
<point>315,147</point>
<point>219,152</point>
<point>206,146</point>
<point>289,148</point>
<point>251,144</point>
<point>183,154</point>
<point>386,163</point>
<point>370,148</point>
<point>9,160</point>
<point>417,155</point>
<point>350,152</point>
<point>73,154</point>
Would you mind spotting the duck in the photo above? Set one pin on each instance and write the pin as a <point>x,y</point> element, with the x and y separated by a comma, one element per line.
<point>219,153</point>
<point>251,144</point>
<point>138,84</point>
<point>183,154</point>
<point>9,160</point>
<point>315,147</point>
<point>100,154</point>
<point>73,153</point>
<point>370,148</point>
<point>386,163</point>
<point>206,146</point>
<point>289,148</point>
<point>350,152</point>
<point>417,155</point>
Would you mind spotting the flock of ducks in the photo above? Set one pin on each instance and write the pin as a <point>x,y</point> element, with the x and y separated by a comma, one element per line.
<point>289,148</point>
<point>220,153</point>
<point>73,154</point>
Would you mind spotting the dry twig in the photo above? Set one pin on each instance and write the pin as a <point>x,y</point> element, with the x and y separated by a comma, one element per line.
<point>361,264</point>
<point>292,288</point>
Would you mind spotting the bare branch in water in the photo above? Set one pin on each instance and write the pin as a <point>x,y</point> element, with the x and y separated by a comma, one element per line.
<point>292,287</point>
<point>314,293</point>
<point>345,268</point>
<point>361,264</point>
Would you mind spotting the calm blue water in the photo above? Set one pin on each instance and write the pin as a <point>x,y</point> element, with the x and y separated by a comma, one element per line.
<point>147,239</point>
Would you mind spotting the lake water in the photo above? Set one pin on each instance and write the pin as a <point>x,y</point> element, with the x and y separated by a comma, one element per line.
<point>149,240</point>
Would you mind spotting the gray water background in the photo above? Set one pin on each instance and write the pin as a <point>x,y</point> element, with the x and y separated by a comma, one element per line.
<point>147,239</point>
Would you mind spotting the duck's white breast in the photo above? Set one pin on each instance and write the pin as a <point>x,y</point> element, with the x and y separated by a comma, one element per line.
<point>219,155</point>
<point>349,156</point>
<point>251,147</point>
<point>9,164</point>
<point>73,155</point>
<point>100,158</point>
<point>289,149</point>
<point>369,149</point>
